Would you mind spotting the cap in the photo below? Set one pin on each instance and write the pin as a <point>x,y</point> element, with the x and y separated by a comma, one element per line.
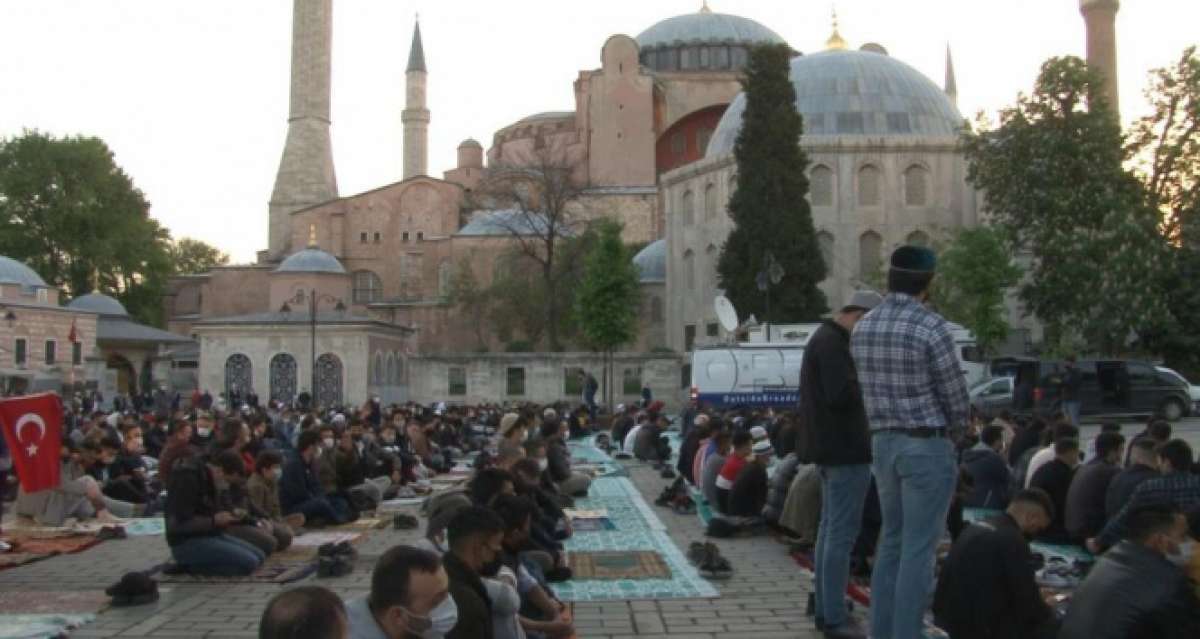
<point>763,448</point>
<point>914,259</point>
<point>507,422</point>
<point>758,433</point>
<point>338,419</point>
<point>863,300</point>
<point>620,408</point>
<point>549,413</point>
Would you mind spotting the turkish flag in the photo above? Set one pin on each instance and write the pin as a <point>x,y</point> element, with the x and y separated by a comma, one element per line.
<point>33,427</point>
<point>73,336</point>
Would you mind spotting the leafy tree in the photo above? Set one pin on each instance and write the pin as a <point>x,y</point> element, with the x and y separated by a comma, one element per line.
<point>74,216</point>
<point>190,256</point>
<point>975,269</point>
<point>606,299</point>
<point>770,211</point>
<point>471,300</point>
<point>1054,180</point>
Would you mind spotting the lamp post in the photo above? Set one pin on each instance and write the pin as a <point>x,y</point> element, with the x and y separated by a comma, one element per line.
<point>313,298</point>
<point>771,273</point>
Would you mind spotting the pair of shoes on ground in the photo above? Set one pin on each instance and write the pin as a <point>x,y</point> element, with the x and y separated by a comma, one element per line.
<point>112,532</point>
<point>134,589</point>
<point>708,560</point>
<point>335,560</point>
<point>849,630</point>
<point>403,521</point>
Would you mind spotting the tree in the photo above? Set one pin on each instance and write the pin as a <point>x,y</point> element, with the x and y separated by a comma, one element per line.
<point>77,219</point>
<point>975,269</point>
<point>606,299</point>
<point>1054,180</point>
<point>540,202</point>
<point>472,301</point>
<point>189,256</point>
<point>770,210</point>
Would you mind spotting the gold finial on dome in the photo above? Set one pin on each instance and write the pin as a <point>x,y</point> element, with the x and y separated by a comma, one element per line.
<point>312,236</point>
<point>704,7</point>
<point>835,42</point>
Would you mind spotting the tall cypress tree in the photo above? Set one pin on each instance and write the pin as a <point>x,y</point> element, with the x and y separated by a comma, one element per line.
<point>770,211</point>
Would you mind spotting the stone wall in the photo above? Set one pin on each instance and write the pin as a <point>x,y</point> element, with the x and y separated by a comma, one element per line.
<point>38,324</point>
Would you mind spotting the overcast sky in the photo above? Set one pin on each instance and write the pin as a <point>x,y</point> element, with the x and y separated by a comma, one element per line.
<point>192,95</point>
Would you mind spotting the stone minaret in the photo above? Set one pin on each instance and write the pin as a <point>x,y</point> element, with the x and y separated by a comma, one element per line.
<point>1100,16</point>
<point>306,175</point>
<point>415,116</point>
<point>951,81</point>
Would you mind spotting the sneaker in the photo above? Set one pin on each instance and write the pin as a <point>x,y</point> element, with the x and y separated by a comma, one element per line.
<point>111,532</point>
<point>695,553</point>
<point>404,521</point>
<point>714,566</point>
<point>336,566</point>
<point>667,473</point>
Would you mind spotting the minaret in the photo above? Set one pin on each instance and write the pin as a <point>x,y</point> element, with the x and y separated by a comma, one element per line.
<point>1100,16</point>
<point>951,82</point>
<point>306,175</point>
<point>415,116</point>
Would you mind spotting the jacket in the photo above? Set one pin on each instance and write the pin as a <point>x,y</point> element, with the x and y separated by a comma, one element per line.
<point>264,496</point>
<point>1055,478</point>
<point>1085,499</point>
<point>1121,488</point>
<point>558,460</point>
<point>991,477</point>
<point>831,402</point>
<point>351,470</point>
<point>1133,593</point>
<point>709,475</point>
<point>470,595</point>
<point>777,490</point>
<point>749,492</point>
<point>986,589</point>
<point>191,503</point>
<point>298,485</point>
<point>645,447</point>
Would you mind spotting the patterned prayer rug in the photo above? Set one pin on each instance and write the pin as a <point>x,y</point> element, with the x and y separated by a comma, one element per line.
<point>39,626</point>
<point>14,559</point>
<point>273,570</point>
<point>592,524</point>
<point>634,564</point>
<point>39,602</point>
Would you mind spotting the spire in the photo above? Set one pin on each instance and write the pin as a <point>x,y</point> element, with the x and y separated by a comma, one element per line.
<point>835,42</point>
<point>416,53</point>
<point>951,83</point>
<point>704,8</point>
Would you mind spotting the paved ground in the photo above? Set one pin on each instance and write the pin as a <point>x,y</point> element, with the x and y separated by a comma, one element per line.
<point>764,598</point>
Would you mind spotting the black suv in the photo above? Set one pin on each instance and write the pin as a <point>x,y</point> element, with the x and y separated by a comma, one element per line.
<point>1111,388</point>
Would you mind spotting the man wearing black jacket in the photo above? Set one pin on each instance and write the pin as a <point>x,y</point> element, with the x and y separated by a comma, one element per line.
<point>839,442</point>
<point>195,525</point>
<point>987,586</point>
<point>475,535</point>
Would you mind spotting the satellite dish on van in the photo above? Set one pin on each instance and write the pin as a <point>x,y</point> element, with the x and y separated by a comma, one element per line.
<point>726,314</point>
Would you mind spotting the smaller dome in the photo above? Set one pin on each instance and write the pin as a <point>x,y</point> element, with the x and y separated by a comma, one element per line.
<point>470,142</point>
<point>652,262</point>
<point>311,260</point>
<point>98,303</point>
<point>14,272</point>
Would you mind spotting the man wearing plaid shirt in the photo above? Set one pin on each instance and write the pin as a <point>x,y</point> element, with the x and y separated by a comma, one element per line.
<point>1178,485</point>
<point>916,402</point>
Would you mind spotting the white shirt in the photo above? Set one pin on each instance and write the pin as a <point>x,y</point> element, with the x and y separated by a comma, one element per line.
<point>630,438</point>
<point>1041,458</point>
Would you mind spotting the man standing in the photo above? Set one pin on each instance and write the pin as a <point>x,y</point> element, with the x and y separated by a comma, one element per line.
<point>1069,386</point>
<point>916,401</point>
<point>831,405</point>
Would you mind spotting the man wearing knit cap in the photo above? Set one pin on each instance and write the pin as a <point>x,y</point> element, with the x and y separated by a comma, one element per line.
<point>748,495</point>
<point>838,441</point>
<point>916,403</point>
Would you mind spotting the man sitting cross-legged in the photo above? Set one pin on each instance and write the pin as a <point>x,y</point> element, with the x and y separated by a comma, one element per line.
<point>540,613</point>
<point>300,490</point>
<point>409,597</point>
<point>475,535</point>
<point>263,489</point>
<point>196,525</point>
<point>987,586</point>
<point>78,494</point>
<point>257,528</point>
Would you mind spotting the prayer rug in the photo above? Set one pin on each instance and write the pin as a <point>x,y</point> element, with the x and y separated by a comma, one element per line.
<point>361,524</point>
<point>332,536</point>
<point>635,564</point>
<point>40,626</point>
<point>51,545</point>
<point>14,559</point>
<point>274,571</point>
<point>595,524</point>
<point>40,602</point>
<point>145,527</point>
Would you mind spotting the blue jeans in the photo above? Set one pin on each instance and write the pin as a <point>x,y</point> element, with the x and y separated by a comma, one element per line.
<point>330,509</point>
<point>219,555</point>
<point>843,493</point>
<point>1071,408</point>
<point>915,478</point>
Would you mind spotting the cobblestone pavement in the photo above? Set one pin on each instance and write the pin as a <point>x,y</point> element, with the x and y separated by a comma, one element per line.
<point>764,598</point>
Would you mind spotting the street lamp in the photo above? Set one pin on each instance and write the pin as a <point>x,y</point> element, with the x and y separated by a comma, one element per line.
<point>771,273</point>
<point>10,318</point>
<point>313,299</point>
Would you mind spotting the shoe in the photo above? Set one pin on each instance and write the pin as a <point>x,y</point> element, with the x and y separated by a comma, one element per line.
<point>111,532</point>
<point>667,473</point>
<point>848,630</point>
<point>684,506</point>
<point>337,566</point>
<point>714,566</point>
<point>134,589</point>
<point>404,521</point>
<point>695,553</point>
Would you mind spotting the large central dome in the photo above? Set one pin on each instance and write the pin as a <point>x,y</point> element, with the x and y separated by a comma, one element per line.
<point>855,93</point>
<point>706,27</point>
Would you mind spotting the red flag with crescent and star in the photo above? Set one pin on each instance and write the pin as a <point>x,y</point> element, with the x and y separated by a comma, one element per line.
<point>32,427</point>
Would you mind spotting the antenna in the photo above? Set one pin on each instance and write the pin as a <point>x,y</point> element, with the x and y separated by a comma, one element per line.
<point>726,313</point>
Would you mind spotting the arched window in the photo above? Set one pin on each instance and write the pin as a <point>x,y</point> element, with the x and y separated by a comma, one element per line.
<point>377,371</point>
<point>501,268</point>
<point>283,378</point>
<point>825,244</point>
<point>916,186</point>
<point>367,287</point>
<point>239,375</point>
<point>399,368</point>
<point>820,186</point>
<point>329,381</point>
<point>445,273</point>
<point>656,309</point>
<point>868,186</point>
<point>710,202</point>
<point>917,238</point>
<point>710,264</point>
<point>689,208</point>
<point>869,247</point>
<point>689,270</point>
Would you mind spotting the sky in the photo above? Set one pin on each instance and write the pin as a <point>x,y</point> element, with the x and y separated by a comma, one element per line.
<point>191,96</point>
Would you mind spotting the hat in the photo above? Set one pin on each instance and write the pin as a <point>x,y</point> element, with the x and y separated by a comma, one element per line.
<point>338,419</point>
<point>549,413</point>
<point>620,408</point>
<point>758,433</point>
<point>914,259</point>
<point>507,422</point>
<point>862,300</point>
<point>656,406</point>
<point>763,448</point>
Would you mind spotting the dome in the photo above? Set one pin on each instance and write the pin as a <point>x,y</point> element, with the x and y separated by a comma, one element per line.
<point>98,303</point>
<point>311,260</point>
<point>855,93</point>
<point>470,142</point>
<point>706,27</point>
<point>652,262</point>
<point>14,272</point>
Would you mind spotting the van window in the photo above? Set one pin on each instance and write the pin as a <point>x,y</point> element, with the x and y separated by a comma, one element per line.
<point>971,353</point>
<point>1140,374</point>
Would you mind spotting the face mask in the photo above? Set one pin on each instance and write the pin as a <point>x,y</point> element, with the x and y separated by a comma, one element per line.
<point>328,442</point>
<point>203,432</point>
<point>441,620</point>
<point>278,474</point>
<point>1183,556</point>
<point>543,464</point>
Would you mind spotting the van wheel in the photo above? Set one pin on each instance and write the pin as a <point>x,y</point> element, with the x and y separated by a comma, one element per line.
<point>1172,410</point>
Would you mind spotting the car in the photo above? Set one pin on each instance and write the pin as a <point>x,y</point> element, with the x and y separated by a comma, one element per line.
<point>993,396</point>
<point>1112,388</point>
<point>1193,390</point>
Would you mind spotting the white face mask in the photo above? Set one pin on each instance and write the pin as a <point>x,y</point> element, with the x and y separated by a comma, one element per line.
<point>543,464</point>
<point>203,432</point>
<point>278,474</point>
<point>441,620</point>
<point>328,442</point>
<point>1183,556</point>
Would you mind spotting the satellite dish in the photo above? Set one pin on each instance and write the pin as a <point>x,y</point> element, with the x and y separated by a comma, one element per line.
<point>726,314</point>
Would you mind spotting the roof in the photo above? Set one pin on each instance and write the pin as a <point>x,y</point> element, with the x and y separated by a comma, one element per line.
<point>300,317</point>
<point>707,27</point>
<point>122,329</point>
<point>14,272</point>
<point>503,223</point>
<point>470,142</point>
<point>311,260</point>
<point>547,115</point>
<point>652,262</point>
<point>99,303</point>
<point>416,53</point>
<point>855,93</point>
